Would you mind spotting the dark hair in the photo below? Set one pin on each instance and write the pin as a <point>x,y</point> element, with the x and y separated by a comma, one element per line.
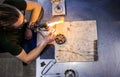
<point>8,15</point>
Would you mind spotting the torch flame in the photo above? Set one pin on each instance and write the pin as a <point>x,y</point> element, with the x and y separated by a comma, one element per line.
<point>55,22</point>
<point>52,25</point>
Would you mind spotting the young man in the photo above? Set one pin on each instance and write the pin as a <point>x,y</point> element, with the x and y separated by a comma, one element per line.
<point>11,30</point>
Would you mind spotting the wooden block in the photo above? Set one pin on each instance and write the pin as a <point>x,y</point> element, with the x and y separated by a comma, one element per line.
<point>80,42</point>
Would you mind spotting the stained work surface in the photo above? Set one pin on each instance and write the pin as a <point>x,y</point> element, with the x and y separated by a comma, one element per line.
<point>80,42</point>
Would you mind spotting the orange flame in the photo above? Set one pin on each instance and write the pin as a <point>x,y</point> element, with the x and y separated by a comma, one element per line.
<point>55,22</point>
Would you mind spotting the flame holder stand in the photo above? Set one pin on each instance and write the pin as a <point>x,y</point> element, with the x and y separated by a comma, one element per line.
<point>58,9</point>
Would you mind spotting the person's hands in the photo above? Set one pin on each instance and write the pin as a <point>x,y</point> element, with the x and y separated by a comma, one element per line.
<point>31,25</point>
<point>49,38</point>
<point>28,34</point>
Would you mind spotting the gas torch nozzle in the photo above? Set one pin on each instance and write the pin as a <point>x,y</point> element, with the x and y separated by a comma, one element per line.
<point>41,27</point>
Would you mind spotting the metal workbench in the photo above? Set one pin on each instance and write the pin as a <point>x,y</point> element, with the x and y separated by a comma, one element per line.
<point>106,13</point>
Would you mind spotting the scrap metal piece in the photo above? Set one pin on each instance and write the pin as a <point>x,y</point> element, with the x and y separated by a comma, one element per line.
<point>60,39</point>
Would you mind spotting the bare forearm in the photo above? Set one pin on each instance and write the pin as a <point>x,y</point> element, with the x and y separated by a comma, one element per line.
<point>35,14</point>
<point>36,52</point>
<point>35,9</point>
<point>33,54</point>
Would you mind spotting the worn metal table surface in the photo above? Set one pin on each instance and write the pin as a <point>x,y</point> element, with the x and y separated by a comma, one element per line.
<point>106,13</point>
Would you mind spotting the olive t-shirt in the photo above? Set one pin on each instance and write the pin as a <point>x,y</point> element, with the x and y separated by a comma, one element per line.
<point>10,40</point>
<point>20,4</point>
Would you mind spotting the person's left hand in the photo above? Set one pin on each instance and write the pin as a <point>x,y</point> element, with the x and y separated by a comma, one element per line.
<point>28,34</point>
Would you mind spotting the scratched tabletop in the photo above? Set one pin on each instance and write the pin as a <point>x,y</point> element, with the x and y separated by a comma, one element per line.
<point>107,15</point>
